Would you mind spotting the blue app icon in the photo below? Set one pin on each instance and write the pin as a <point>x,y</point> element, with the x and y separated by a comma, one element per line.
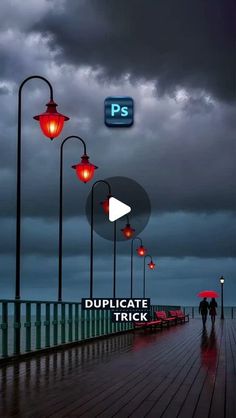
<point>119,111</point>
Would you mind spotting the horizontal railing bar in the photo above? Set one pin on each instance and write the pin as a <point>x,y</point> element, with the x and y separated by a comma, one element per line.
<point>37,301</point>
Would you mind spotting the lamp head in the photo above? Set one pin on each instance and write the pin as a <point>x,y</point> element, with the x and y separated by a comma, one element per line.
<point>128,231</point>
<point>85,170</point>
<point>105,204</point>
<point>51,122</point>
<point>151,265</point>
<point>141,251</point>
<point>222,280</point>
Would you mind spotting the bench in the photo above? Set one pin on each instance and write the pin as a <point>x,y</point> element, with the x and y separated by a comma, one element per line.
<point>149,324</point>
<point>179,315</point>
<point>161,315</point>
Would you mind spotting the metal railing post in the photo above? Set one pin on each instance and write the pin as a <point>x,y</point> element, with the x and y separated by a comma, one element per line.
<point>63,323</point>
<point>4,327</point>
<point>70,323</point>
<point>93,323</point>
<point>55,324</point>
<point>47,325</point>
<point>28,327</point>
<point>17,326</point>
<point>76,322</point>
<point>82,324</point>
<point>108,324</point>
<point>38,325</point>
<point>88,324</point>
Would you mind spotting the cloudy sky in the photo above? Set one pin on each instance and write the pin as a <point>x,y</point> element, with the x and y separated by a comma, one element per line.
<point>177,61</point>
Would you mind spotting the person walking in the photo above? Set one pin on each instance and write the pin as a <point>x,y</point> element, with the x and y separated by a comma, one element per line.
<point>212,310</point>
<point>203,310</point>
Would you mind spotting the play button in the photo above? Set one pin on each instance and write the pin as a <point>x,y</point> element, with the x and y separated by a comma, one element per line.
<point>117,209</point>
<point>126,197</point>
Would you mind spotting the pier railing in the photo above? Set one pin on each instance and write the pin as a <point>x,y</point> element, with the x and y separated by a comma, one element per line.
<point>229,311</point>
<point>28,326</point>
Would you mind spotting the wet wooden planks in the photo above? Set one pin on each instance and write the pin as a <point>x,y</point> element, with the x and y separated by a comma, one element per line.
<point>182,372</point>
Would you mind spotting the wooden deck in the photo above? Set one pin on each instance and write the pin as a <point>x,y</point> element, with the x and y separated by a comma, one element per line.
<point>181,372</point>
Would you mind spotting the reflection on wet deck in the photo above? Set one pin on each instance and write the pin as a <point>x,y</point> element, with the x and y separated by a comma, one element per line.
<point>183,371</point>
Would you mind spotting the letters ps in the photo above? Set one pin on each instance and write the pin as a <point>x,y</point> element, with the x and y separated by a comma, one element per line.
<point>118,111</point>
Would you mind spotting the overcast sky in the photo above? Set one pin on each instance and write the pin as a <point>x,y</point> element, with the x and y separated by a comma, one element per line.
<point>177,61</point>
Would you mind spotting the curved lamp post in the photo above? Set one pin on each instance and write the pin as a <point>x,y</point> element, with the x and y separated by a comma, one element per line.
<point>105,205</point>
<point>141,251</point>
<point>127,232</point>
<point>51,123</point>
<point>85,172</point>
<point>222,280</point>
<point>151,266</point>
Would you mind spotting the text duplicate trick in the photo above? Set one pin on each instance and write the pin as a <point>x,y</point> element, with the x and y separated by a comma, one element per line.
<point>122,309</point>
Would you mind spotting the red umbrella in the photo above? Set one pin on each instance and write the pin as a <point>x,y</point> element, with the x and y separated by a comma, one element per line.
<point>208,294</point>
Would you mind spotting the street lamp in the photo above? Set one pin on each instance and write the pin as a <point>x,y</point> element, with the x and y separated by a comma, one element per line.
<point>106,210</point>
<point>105,205</point>
<point>128,231</point>
<point>85,172</point>
<point>141,251</point>
<point>51,123</point>
<point>151,266</point>
<point>222,280</point>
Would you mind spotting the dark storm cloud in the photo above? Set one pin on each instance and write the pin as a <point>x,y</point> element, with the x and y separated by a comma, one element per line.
<point>186,43</point>
<point>167,235</point>
<point>191,165</point>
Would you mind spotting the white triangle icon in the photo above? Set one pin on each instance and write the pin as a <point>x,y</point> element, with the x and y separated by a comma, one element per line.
<point>117,209</point>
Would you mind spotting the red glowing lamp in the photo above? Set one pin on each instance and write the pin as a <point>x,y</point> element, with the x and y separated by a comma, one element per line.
<point>141,251</point>
<point>85,170</point>
<point>105,205</point>
<point>151,265</point>
<point>51,122</point>
<point>128,231</point>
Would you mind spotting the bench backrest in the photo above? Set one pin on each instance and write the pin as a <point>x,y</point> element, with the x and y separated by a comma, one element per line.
<point>160,314</point>
<point>173,313</point>
<point>179,313</point>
